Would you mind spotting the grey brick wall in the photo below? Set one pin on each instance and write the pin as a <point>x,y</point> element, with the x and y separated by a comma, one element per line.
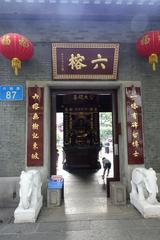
<point>42,33</point>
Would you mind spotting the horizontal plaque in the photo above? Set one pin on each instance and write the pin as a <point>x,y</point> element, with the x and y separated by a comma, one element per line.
<point>97,61</point>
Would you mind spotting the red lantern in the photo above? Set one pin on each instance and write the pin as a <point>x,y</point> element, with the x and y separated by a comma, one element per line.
<point>149,46</point>
<point>17,48</point>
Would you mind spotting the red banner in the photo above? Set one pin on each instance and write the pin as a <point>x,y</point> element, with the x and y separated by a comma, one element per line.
<point>134,125</point>
<point>85,60</point>
<point>35,126</point>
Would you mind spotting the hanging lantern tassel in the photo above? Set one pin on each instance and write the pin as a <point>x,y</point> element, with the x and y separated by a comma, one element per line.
<point>16,65</point>
<point>153,59</point>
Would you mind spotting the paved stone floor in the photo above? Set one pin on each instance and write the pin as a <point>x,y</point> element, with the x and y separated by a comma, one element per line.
<point>85,214</point>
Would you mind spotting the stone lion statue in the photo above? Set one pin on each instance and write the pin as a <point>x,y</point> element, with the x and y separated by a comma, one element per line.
<point>31,199</point>
<point>144,185</point>
<point>30,189</point>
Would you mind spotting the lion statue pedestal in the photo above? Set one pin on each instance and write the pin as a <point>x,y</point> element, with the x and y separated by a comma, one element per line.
<point>30,197</point>
<point>144,191</point>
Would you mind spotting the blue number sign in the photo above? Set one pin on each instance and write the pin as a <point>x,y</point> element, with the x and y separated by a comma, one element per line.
<point>11,93</point>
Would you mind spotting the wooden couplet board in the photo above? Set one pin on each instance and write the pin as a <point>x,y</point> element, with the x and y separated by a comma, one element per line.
<point>134,125</point>
<point>35,126</point>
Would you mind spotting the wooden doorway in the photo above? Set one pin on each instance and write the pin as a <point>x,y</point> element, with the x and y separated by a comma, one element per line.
<point>108,103</point>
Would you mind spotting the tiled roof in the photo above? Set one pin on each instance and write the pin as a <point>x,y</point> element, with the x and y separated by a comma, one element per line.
<point>108,2</point>
<point>118,9</point>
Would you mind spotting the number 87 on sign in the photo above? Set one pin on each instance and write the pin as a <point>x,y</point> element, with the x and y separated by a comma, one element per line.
<point>11,93</point>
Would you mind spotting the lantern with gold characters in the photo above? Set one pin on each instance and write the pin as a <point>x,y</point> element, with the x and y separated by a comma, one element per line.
<point>17,48</point>
<point>148,46</point>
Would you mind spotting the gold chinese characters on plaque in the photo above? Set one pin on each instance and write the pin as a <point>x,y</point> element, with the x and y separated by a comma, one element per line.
<point>35,126</point>
<point>134,125</point>
<point>85,61</point>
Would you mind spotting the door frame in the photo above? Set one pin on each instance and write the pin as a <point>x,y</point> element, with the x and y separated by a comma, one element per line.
<point>113,92</point>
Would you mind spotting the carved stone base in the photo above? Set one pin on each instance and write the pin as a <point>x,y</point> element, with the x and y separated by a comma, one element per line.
<point>146,209</point>
<point>27,215</point>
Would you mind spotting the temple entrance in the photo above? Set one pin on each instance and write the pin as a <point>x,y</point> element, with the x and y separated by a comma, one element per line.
<point>82,143</point>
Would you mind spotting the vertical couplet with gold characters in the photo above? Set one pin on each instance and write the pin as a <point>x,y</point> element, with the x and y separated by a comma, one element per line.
<point>134,125</point>
<point>35,126</point>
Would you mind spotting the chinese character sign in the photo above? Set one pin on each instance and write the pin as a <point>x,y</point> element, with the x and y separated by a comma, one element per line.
<point>11,93</point>
<point>134,125</point>
<point>85,60</point>
<point>35,126</point>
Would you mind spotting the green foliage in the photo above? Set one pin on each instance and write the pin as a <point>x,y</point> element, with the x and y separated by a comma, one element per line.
<point>105,120</point>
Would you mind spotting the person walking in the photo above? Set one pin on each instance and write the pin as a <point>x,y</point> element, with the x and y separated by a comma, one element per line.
<point>106,165</point>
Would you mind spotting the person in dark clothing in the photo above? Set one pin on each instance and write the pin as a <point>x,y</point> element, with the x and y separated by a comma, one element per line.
<point>106,166</point>
<point>107,147</point>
